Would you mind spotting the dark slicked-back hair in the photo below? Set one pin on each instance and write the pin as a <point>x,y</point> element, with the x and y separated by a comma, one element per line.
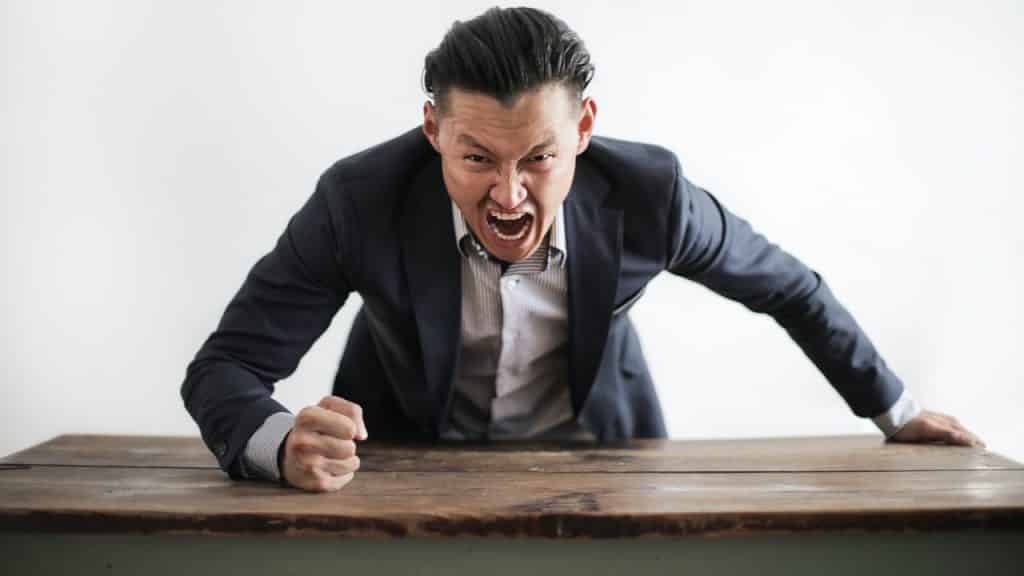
<point>504,53</point>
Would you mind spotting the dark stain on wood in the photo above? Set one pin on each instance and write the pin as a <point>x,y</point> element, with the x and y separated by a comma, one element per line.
<point>615,458</point>
<point>570,502</point>
<point>14,467</point>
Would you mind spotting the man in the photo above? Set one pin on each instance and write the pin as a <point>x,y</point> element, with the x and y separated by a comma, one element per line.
<point>497,250</point>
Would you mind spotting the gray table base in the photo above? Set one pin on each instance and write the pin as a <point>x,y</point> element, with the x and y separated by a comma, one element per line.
<point>988,553</point>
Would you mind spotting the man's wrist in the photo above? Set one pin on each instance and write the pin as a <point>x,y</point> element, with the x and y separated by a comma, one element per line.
<point>898,415</point>
<point>280,460</point>
<point>262,449</point>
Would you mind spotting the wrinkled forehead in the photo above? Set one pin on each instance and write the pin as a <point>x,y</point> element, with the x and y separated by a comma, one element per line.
<point>534,119</point>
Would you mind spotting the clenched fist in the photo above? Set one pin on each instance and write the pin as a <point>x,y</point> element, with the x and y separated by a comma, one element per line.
<point>320,450</point>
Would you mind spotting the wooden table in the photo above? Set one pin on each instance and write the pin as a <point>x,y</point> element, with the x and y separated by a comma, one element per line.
<point>833,505</point>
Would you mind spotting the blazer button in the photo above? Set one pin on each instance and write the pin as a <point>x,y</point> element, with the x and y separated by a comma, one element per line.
<point>220,449</point>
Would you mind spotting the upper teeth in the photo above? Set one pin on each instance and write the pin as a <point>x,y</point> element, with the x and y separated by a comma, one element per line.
<point>503,216</point>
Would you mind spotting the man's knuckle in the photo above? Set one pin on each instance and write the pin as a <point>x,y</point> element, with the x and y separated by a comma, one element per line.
<point>305,417</point>
<point>329,482</point>
<point>338,448</point>
<point>345,409</point>
<point>347,466</point>
<point>347,448</point>
<point>304,442</point>
<point>311,463</point>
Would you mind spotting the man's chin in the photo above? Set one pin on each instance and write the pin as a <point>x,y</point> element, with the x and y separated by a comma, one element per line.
<point>511,251</point>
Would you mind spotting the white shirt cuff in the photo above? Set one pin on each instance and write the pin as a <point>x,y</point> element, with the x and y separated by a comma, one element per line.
<point>896,417</point>
<point>260,456</point>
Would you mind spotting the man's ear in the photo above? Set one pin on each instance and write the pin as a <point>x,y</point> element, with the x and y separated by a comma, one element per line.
<point>585,126</point>
<point>431,124</point>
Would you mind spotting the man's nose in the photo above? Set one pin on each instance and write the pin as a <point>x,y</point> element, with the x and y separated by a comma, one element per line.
<point>508,192</point>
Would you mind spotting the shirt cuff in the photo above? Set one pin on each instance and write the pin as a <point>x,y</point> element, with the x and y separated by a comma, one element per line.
<point>260,456</point>
<point>896,417</point>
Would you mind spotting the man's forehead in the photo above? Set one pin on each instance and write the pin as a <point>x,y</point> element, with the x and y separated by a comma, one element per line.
<point>546,138</point>
<point>536,119</point>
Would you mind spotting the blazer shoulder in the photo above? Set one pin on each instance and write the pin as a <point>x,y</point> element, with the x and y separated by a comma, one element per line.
<point>390,165</point>
<point>641,181</point>
<point>639,166</point>
<point>638,155</point>
<point>639,173</point>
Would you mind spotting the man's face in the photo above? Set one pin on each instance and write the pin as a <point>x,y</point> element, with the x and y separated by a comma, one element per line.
<point>508,168</point>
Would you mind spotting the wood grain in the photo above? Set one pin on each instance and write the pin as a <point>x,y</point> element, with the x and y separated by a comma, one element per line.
<point>640,489</point>
<point>511,504</point>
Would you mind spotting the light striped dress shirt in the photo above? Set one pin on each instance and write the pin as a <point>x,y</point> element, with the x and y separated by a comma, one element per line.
<point>512,380</point>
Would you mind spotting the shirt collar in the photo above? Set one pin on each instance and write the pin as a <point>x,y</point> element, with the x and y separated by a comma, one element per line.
<point>467,243</point>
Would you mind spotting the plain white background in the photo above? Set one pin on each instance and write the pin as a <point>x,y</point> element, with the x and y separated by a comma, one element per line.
<point>153,151</point>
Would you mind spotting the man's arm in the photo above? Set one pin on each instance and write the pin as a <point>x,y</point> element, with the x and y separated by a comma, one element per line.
<point>719,250</point>
<point>286,302</point>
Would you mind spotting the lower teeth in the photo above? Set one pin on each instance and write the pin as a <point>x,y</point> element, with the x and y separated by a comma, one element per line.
<point>513,237</point>
<point>524,227</point>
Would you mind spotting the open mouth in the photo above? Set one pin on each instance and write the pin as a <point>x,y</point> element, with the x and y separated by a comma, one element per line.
<point>509,226</point>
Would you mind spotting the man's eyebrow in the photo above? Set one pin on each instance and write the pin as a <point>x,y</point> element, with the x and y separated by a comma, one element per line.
<point>547,142</point>
<point>470,141</point>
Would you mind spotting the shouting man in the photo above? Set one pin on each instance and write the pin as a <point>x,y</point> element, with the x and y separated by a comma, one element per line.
<point>497,249</point>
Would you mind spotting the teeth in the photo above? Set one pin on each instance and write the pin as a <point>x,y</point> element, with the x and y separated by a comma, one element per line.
<point>502,216</point>
<point>507,237</point>
<point>496,220</point>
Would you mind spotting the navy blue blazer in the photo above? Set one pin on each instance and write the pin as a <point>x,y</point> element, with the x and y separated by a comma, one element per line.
<point>379,223</point>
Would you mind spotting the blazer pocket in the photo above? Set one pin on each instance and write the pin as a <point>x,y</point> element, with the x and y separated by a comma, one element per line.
<point>629,302</point>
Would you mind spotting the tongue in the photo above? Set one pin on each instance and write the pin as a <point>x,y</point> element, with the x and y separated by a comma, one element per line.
<point>511,227</point>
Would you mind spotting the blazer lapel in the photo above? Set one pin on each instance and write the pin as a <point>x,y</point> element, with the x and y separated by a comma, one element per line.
<point>594,238</point>
<point>432,266</point>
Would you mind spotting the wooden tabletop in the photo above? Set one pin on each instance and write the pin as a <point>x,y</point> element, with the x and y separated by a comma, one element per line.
<point>140,484</point>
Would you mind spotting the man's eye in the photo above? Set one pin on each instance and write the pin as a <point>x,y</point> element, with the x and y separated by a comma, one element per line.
<point>476,158</point>
<point>541,157</point>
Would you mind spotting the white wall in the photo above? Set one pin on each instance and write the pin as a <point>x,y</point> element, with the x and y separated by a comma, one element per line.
<point>152,151</point>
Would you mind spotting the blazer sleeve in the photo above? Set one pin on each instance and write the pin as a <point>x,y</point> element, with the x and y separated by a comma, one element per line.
<point>711,246</point>
<point>285,303</point>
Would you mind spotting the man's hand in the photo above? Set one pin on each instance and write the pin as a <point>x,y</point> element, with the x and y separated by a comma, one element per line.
<point>320,452</point>
<point>935,427</point>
